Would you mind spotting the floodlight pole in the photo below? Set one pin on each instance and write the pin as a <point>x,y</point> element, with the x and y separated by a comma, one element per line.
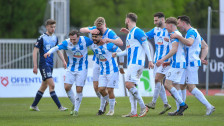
<point>208,42</point>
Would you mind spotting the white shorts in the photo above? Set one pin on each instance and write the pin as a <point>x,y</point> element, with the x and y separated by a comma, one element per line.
<point>96,71</point>
<point>77,77</point>
<point>160,69</point>
<point>191,75</point>
<point>175,74</point>
<point>134,73</point>
<point>109,80</point>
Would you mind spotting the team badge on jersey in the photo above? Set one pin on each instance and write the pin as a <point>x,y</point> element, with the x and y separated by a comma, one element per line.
<point>78,54</point>
<point>102,58</point>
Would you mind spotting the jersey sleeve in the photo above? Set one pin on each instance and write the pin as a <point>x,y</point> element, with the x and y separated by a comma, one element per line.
<point>140,35</point>
<point>57,41</point>
<point>191,34</point>
<point>112,35</point>
<point>91,28</point>
<point>88,41</point>
<point>150,34</point>
<point>39,42</point>
<point>63,45</point>
<point>112,47</point>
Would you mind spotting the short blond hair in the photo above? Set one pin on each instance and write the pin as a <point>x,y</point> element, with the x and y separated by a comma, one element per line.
<point>99,22</point>
<point>171,20</point>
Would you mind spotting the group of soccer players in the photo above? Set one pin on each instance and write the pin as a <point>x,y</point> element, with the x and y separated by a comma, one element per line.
<point>176,59</point>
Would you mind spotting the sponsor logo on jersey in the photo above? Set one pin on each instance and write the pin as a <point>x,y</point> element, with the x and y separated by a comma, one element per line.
<point>78,54</point>
<point>102,58</point>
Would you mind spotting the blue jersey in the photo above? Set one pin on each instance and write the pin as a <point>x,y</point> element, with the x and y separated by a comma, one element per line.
<point>77,54</point>
<point>162,47</point>
<point>135,51</point>
<point>194,50</point>
<point>105,60</point>
<point>45,43</point>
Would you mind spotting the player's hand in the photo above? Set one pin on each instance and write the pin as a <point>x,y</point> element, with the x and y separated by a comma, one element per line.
<point>46,55</point>
<point>121,70</point>
<point>151,65</point>
<point>35,69</point>
<point>166,39</point>
<point>105,40</point>
<point>166,64</point>
<point>94,31</point>
<point>65,65</point>
<point>114,54</point>
<point>124,30</point>
<point>174,35</point>
<point>205,62</point>
<point>159,62</point>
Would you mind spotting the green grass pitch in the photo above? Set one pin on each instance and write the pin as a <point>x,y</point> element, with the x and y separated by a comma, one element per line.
<point>15,111</point>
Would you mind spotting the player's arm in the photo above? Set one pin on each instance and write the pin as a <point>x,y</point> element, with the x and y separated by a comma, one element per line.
<point>171,53</point>
<point>62,58</point>
<point>142,38</point>
<point>150,34</point>
<point>35,51</point>
<point>121,61</point>
<point>113,38</point>
<point>186,41</point>
<point>91,30</point>
<point>204,52</point>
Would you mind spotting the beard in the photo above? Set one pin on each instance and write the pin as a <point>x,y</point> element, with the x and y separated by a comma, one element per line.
<point>160,24</point>
<point>126,25</point>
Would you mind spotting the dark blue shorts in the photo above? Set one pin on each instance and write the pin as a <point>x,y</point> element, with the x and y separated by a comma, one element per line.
<point>46,72</point>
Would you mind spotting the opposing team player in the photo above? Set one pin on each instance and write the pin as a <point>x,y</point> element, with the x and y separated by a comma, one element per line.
<point>136,48</point>
<point>194,45</point>
<point>44,43</point>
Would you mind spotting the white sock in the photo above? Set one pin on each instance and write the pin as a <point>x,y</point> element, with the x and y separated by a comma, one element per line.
<point>103,101</point>
<point>71,96</point>
<point>184,95</point>
<point>162,94</point>
<point>156,92</point>
<point>78,101</point>
<point>134,92</point>
<point>177,104</point>
<point>133,103</point>
<point>175,94</point>
<point>98,94</point>
<point>199,95</point>
<point>112,103</point>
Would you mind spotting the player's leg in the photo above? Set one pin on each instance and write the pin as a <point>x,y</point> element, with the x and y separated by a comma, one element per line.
<point>111,101</point>
<point>174,75</point>
<point>104,95</point>
<point>192,80</point>
<point>38,96</point>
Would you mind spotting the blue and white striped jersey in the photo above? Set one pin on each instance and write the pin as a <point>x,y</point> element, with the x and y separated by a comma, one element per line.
<point>161,46</point>
<point>193,51</point>
<point>108,34</point>
<point>178,60</point>
<point>77,54</point>
<point>104,55</point>
<point>45,43</point>
<point>135,51</point>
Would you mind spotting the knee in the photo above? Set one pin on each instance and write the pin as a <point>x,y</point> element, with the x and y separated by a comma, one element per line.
<point>51,87</point>
<point>79,89</point>
<point>67,88</point>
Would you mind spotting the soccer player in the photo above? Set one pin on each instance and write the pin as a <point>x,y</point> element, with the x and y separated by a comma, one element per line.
<point>136,48</point>
<point>109,76</point>
<point>100,24</point>
<point>162,49</point>
<point>178,63</point>
<point>194,45</point>
<point>44,43</point>
<point>76,72</point>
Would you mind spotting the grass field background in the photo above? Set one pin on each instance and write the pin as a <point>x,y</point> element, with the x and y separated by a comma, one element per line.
<point>15,111</point>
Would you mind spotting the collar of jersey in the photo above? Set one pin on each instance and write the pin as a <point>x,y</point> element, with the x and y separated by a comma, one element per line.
<point>189,29</point>
<point>105,32</point>
<point>132,29</point>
